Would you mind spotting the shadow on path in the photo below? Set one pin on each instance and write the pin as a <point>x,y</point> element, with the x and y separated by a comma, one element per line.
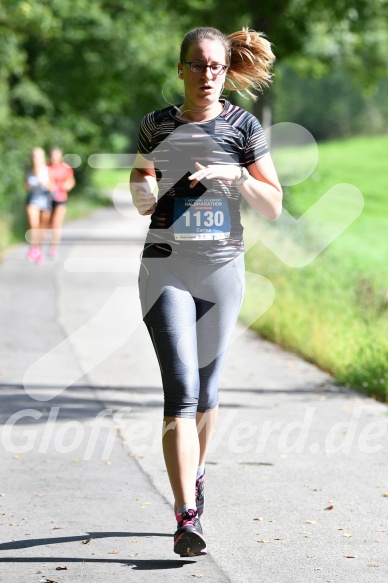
<point>79,402</point>
<point>23,544</point>
<point>138,564</point>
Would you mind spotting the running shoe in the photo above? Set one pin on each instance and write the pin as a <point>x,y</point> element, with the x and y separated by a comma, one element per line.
<point>200,494</point>
<point>33,254</point>
<point>188,540</point>
<point>53,253</point>
<point>40,258</point>
<point>198,524</point>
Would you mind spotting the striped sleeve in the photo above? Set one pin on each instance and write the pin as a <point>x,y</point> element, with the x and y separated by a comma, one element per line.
<point>146,132</point>
<point>256,145</point>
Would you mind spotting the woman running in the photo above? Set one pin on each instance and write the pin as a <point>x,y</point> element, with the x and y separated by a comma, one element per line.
<point>39,203</point>
<point>203,155</point>
<point>62,176</point>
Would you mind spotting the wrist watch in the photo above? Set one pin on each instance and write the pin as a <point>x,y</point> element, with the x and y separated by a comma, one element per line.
<point>244,176</point>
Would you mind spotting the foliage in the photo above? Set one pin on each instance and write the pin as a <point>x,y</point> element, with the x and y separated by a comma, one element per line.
<point>315,34</point>
<point>329,106</point>
<point>78,74</point>
<point>333,311</point>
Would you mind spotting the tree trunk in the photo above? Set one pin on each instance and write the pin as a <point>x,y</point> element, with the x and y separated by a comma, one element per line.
<point>262,109</point>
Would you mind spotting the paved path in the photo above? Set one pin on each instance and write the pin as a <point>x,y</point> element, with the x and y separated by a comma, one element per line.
<point>297,480</point>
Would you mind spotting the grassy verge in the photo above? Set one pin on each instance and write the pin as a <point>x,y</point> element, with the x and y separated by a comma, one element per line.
<point>90,200</point>
<point>334,310</point>
<point>107,179</point>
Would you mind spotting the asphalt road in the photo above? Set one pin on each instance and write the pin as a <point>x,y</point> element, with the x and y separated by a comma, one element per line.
<point>296,483</point>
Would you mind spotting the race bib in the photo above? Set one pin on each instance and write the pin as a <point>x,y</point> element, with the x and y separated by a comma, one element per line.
<point>201,219</point>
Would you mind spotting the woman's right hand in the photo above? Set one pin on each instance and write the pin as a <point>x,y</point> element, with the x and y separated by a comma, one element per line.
<point>142,184</point>
<point>144,201</point>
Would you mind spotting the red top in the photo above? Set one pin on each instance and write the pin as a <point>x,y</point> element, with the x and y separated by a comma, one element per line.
<point>59,174</point>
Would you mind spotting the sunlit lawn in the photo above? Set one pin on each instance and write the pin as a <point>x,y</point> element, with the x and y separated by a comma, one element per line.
<point>333,310</point>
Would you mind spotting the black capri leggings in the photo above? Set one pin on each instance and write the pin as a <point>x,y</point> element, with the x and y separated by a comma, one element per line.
<point>190,311</point>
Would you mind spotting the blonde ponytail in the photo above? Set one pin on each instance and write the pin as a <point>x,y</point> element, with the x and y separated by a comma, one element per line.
<point>251,60</point>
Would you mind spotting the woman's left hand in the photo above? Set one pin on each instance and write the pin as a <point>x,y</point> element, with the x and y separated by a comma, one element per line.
<point>228,172</point>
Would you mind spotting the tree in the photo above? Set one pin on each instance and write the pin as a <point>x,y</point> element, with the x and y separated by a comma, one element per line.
<point>291,26</point>
<point>79,74</point>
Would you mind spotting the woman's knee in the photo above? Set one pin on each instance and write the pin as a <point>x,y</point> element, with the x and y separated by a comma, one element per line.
<point>181,395</point>
<point>33,214</point>
<point>182,407</point>
<point>207,401</point>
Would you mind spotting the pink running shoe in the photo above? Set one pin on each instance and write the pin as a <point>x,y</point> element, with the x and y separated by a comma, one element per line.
<point>40,259</point>
<point>53,253</point>
<point>33,254</point>
<point>188,541</point>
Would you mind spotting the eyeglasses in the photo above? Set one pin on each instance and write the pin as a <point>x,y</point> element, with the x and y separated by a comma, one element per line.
<point>215,68</point>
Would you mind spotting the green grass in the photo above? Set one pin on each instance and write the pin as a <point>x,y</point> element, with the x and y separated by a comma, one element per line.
<point>82,205</point>
<point>108,179</point>
<point>334,310</point>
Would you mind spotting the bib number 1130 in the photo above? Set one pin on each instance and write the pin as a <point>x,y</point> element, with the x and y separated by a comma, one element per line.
<point>204,218</point>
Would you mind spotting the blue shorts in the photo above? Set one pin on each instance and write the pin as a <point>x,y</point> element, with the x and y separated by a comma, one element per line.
<point>41,199</point>
<point>190,311</point>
